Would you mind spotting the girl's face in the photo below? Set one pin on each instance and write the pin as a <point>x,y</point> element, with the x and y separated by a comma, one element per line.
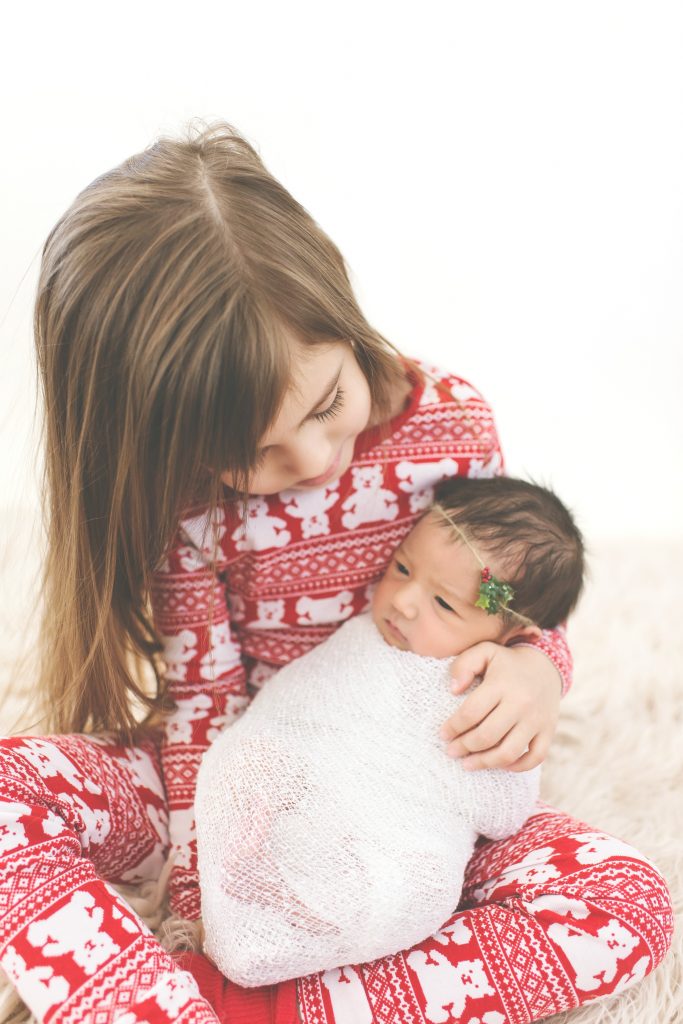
<point>424,603</point>
<point>311,442</point>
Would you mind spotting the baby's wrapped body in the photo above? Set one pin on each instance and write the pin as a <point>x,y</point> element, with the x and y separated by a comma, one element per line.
<point>332,827</point>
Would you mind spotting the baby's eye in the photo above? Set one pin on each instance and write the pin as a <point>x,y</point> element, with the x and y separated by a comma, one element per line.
<point>444,604</point>
<point>401,568</point>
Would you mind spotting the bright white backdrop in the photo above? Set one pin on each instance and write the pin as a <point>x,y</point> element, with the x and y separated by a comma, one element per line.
<point>505,181</point>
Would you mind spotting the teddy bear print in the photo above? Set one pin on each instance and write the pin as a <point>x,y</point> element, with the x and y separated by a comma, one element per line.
<point>74,929</point>
<point>463,392</point>
<point>40,987</point>
<point>205,532</point>
<point>595,848</point>
<point>261,673</point>
<point>594,957</point>
<point>172,991</point>
<point>484,470</point>
<point>347,995</point>
<point>533,869</point>
<point>447,986</point>
<point>458,933</point>
<point>223,655</point>
<point>50,762</point>
<point>311,508</point>
<point>260,529</point>
<point>269,614</point>
<point>178,651</point>
<point>219,723</point>
<point>188,710</point>
<point>369,502</point>
<point>418,480</point>
<point>311,610</point>
<point>12,832</point>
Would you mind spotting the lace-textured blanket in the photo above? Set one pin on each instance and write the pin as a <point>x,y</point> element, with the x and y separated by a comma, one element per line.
<point>332,827</point>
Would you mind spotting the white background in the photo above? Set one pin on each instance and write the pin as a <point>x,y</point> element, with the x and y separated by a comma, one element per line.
<point>504,179</point>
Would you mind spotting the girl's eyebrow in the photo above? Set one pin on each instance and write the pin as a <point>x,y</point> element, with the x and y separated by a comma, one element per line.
<point>332,384</point>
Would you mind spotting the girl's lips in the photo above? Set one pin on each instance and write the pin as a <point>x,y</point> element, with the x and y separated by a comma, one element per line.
<point>329,474</point>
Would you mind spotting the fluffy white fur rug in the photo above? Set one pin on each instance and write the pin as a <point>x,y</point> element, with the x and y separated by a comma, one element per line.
<point>617,759</point>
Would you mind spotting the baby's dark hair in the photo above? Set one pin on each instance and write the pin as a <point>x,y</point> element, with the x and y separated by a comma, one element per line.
<point>535,538</point>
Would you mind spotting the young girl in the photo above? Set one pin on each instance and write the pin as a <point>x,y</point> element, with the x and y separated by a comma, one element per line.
<point>199,342</point>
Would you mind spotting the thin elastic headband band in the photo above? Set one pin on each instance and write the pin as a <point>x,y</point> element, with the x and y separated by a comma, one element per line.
<point>494,594</point>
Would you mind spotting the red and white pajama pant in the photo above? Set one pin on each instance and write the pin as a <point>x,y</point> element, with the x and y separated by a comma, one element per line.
<point>552,918</point>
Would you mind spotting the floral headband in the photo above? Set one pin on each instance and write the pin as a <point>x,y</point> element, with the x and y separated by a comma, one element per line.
<point>494,595</point>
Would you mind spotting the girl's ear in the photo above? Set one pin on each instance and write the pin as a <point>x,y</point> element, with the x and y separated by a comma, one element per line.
<point>518,632</point>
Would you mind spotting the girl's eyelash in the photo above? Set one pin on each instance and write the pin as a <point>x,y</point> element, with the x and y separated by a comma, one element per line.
<point>444,604</point>
<point>332,409</point>
<point>328,413</point>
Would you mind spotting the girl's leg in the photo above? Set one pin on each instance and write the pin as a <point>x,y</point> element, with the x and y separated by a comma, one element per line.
<point>76,814</point>
<point>552,918</point>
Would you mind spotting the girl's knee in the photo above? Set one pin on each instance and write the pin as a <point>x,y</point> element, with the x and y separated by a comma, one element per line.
<point>610,925</point>
<point>108,799</point>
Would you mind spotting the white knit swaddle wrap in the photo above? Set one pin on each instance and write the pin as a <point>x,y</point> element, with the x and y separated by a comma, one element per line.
<point>332,828</point>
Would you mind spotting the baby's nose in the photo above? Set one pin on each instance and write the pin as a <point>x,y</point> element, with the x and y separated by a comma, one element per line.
<point>405,601</point>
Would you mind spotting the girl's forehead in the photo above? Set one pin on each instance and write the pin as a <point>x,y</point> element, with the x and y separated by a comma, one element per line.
<point>310,365</point>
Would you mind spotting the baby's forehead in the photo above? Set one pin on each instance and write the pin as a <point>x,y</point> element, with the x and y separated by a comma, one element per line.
<point>431,523</point>
<point>429,536</point>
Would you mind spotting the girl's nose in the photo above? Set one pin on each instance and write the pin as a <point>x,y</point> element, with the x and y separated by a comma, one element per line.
<point>307,460</point>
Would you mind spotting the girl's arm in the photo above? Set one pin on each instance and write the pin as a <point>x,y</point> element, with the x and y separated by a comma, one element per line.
<point>508,721</point>
<point>206,680</point>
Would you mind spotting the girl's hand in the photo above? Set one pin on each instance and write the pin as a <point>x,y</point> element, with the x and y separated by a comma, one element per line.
<point>508,721</point>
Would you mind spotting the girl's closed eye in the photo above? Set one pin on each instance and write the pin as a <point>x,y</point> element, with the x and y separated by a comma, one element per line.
<point>260,458</point>
<point>333,408</point>
<point>401,567</point>
<point>444,604</point>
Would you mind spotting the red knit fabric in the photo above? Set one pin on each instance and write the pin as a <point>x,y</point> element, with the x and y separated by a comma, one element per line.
<point>271,1004</point>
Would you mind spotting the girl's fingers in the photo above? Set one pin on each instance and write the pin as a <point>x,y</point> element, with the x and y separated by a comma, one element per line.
<point>471,712</point>
<point>488,733</point>
<point>471,663</point>
<point>536,754</point>
<point>511,750</point>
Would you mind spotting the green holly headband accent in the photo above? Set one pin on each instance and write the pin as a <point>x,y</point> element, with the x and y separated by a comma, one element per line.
<point>494,594</point>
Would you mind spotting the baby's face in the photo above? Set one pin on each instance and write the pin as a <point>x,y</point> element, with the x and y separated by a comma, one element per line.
<point>424,603</point>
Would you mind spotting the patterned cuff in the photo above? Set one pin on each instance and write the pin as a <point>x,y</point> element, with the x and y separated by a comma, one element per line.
<point>557,661</point>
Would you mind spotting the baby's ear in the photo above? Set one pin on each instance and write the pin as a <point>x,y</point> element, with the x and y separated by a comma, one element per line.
<point>521,632</point>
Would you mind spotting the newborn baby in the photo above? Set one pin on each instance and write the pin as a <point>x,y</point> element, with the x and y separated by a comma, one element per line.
<point>332,827</point>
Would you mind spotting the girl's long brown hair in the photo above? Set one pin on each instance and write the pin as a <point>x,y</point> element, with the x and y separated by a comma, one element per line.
<point>168,296</point>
